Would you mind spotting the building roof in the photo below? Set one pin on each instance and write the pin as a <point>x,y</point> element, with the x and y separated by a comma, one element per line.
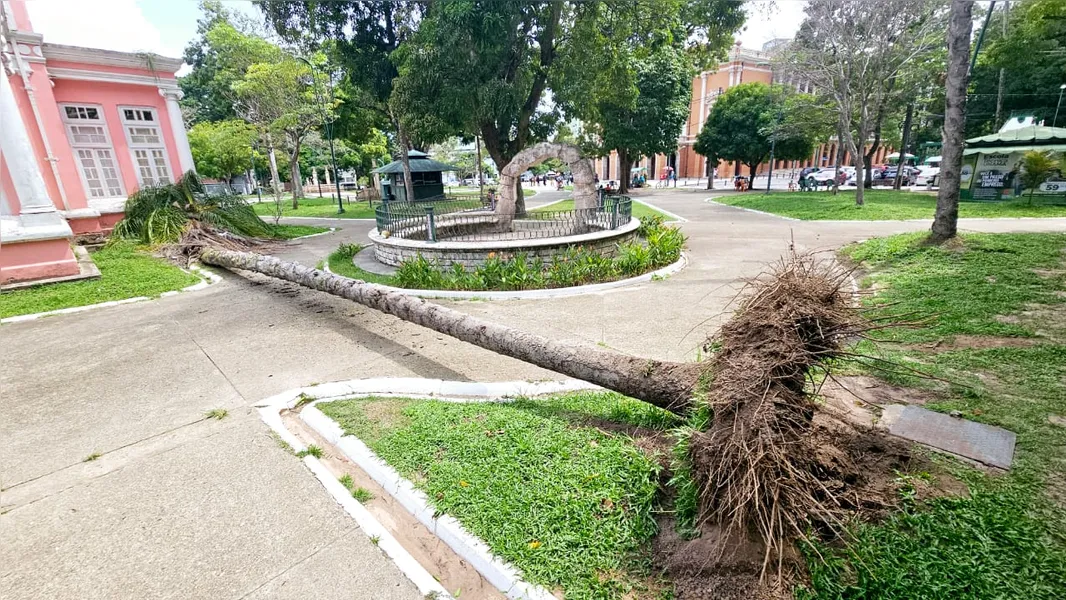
<point>420,163</point>
<point>1034,135</point>
<point>112,58</point>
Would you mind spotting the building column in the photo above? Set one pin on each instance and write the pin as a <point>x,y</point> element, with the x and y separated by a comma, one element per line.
<point>177,127</point>
<point>20,156</point>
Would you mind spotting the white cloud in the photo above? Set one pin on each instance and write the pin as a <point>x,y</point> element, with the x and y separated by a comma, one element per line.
<point>110,25</point>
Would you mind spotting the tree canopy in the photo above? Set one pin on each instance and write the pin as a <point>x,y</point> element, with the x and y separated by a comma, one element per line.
<point>1032,55</point>
<point>651,122</point>
<point>748,119</point>
<point>222,149</point>
<point>857,54</point>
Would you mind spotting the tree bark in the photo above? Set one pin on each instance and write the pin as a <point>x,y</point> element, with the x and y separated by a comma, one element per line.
<point>960,26</point>
<point>294,173</point>
<point>668,385</point>
<point>1002,71</point>
<point>903,149</point>
<point>405,147</point>
<point>275,177</point>
<point>623,171</point>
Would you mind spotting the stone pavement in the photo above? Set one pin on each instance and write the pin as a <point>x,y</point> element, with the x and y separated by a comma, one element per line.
<point>181,506</point>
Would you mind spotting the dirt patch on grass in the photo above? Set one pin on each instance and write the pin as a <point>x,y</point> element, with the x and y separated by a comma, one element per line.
<point>847,391</point>
<point>385,413</point>
<point>653,442</point>
<point>974,342</point>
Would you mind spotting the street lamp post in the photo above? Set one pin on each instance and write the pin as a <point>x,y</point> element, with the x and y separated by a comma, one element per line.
<point>1055,121</point>
<point>329,128</point>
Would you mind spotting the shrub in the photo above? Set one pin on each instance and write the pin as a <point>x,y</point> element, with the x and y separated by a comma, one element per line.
<point>575,265</point>
<point>633,259</point>
<point>419,273</point>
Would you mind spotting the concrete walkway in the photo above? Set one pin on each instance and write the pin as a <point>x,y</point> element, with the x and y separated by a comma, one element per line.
<point>181,506</point>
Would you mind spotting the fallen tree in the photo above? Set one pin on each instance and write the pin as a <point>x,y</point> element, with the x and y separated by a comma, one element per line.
<point>669,385</point>
<point>767,471</point>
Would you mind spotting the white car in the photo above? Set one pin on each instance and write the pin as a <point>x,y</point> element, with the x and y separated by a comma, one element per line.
<point>827,175</point>
<point>927,175</point>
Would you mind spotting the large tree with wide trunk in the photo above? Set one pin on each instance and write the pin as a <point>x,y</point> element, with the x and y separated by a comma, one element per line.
<point>854,52</point>
<point>486,67</point>
<point>946,220</point>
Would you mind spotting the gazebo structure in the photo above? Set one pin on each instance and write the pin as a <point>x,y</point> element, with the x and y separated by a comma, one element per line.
<point>991,163</point>
<point>425,173</point>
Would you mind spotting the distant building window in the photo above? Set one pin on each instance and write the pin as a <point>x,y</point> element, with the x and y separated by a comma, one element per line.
<point>92,148</point>
<point>146,146</point>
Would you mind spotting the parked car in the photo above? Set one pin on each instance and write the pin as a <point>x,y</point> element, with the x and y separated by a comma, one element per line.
<point>887,175</point>
<point>825,176</point>
<point>927,175</point>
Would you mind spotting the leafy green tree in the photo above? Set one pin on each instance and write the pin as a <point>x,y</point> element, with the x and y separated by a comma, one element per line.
<point>649,125</point>
<point>363,35</point>
<point>219,56</point>
<point>1032,55</point>
<point>485,67</point>
<point>281,98</point>
<point>749,118</point>
<point>222,149</point>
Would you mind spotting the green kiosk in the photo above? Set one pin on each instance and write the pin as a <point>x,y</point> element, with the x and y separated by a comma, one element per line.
<point>425,174</point>
<point>991,164</point>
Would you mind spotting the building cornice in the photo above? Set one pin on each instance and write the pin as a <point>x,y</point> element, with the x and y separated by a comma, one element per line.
<point>112,58</point>
<point>106,77</point>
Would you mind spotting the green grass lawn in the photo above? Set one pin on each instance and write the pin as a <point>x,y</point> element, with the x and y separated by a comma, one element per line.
<point>1008,538</point>
<point>640,209</point>
<point>125,272</point>
<point>289,232</point>
<point>340,262</point>
<point>880,205</point>
<point>567,504</point>
<point>325,207</point>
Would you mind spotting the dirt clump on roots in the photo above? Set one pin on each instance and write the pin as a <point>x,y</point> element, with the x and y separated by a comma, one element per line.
<point>770,466</point>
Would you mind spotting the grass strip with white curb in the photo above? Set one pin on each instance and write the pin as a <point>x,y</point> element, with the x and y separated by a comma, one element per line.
<point>569,505</point>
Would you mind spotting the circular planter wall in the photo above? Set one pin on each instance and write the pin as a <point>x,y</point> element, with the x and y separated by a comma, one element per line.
<point>395,250</point>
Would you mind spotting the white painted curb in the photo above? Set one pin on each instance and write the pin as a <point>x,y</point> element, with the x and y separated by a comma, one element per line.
<point>207,278</point>
<point>329,219</point>
<point>499,573</point>
<point>304,237</point>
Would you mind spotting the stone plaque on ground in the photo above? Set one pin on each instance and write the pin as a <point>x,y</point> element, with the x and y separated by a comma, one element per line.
<point>984,443</point>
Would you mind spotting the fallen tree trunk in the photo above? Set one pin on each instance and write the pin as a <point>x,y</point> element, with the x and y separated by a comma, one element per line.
<point>668,385</point>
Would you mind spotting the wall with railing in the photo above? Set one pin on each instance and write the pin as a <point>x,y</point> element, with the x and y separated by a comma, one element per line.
<point>471,219</point>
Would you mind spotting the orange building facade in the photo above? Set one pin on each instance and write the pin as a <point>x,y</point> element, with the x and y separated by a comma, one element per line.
<point>743,66</point>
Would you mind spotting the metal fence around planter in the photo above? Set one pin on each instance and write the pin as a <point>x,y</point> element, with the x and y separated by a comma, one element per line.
<point>470,220</point>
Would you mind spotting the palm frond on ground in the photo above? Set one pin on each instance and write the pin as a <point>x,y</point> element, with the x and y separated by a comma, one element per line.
<point>167,213</point>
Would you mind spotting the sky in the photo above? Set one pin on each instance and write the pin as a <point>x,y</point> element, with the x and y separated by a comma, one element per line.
<point>165,26</point>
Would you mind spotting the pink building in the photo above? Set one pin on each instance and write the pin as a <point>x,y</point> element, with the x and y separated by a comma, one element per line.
<point>80,130</point>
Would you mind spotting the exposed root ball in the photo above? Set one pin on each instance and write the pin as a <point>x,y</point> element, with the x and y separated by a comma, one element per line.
<point>762,473</point>
<point>199,236</point>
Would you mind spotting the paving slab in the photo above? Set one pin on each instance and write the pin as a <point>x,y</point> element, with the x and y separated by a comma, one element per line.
<point>224,517</point>
<point>986,444</point>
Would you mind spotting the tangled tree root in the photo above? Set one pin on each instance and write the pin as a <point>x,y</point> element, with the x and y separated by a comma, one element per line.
<point>767,472</point>
<point>199,236</point>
